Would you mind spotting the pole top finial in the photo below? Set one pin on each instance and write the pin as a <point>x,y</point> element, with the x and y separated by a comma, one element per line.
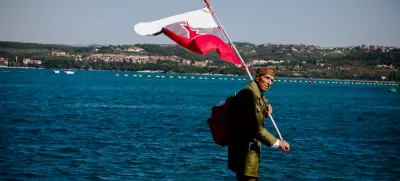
<point>207,3</point>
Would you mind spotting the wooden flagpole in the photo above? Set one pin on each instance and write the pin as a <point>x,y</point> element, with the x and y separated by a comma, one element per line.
<point>240,57</point>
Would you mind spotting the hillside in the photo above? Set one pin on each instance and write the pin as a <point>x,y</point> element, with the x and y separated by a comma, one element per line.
<point>356,62</point>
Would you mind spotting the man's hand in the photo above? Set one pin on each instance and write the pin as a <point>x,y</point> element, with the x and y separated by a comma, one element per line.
<point>284,146</point>
<point>269,109</point>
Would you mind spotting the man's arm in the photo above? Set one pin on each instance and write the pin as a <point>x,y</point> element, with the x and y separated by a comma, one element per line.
<point>266,137</point>
<point>250,125</point>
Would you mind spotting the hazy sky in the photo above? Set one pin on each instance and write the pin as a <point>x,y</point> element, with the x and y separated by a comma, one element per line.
<point>316,22</point>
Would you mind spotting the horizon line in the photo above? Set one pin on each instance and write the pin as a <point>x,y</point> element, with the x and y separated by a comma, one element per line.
<point>106,44</point>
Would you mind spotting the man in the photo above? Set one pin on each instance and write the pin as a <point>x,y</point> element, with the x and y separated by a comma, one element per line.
<point>247,112</point>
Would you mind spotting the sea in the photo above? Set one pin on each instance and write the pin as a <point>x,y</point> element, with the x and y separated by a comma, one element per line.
<point>95,125</point>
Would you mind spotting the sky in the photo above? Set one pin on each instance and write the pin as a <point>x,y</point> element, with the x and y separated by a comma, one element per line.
<point>313,22</point>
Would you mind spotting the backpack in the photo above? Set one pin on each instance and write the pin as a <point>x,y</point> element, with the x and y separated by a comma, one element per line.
<point>219,123</point>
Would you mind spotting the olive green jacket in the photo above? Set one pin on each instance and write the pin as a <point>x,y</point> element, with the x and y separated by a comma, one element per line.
<point>247,115</point>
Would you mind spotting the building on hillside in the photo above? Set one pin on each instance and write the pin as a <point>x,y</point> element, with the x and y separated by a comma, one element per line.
<point>200,64</point>
<point>56,53</point>
<point>186,62</point>
<point>134,49</point>
<point>30,61</point>
<point>3,61</point>
<point>345,68</point>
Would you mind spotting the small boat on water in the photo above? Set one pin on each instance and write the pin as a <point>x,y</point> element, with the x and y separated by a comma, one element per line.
<point>56,71</point>
<point>69,72</point>
<point>310,80</point>
<point>392,90</point>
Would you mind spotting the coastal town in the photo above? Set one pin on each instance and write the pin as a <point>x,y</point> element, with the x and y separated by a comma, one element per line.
<point>296,58</point>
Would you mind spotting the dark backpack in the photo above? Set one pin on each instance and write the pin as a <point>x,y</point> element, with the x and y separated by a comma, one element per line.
<point>220,126</point>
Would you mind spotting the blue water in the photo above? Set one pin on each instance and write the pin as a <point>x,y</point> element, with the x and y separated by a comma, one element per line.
<point>96,126</point>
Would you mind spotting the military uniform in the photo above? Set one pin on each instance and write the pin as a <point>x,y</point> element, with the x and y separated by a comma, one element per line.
<point>247,113</point>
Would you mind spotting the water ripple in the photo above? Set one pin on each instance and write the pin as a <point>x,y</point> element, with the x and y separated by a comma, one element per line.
<point>99,127</point>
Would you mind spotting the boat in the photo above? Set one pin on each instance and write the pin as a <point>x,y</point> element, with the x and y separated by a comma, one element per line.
<point>56,71</point>
<point>392,90</point>
<point>69,72</point>
<point>310,80</point>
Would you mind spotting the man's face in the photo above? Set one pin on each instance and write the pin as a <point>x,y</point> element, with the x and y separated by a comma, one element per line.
<point>264,82</point>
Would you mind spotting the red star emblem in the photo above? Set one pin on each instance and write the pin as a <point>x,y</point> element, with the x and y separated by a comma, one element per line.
<point>191,33</point>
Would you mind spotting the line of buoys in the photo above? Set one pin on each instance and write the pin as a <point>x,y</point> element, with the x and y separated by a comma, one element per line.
<point>276,80</point>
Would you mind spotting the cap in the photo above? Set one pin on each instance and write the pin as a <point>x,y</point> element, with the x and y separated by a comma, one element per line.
<point>271,70</point>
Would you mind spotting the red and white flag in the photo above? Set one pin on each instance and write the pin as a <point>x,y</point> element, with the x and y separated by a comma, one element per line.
<point>196,31</point>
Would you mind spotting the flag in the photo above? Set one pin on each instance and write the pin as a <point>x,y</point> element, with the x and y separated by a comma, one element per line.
<point>196,31</point>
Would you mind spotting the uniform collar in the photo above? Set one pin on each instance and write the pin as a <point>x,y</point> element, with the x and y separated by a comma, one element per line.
<point>256,89</point>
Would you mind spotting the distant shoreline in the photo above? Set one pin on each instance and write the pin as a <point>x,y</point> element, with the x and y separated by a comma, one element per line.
<point>207,74</point>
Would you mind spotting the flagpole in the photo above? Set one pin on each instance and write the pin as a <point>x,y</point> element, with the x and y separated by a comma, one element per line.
<point>240,57</point>
<point>233,45</point>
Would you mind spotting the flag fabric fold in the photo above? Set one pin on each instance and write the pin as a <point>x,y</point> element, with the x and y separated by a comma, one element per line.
<point>196,31</point>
